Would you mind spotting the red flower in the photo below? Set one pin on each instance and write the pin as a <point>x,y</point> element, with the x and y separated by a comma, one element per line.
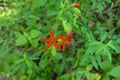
<point>77,5</point>
<point>52,40</point>
<point>69,36</point>
<point>66,41</point>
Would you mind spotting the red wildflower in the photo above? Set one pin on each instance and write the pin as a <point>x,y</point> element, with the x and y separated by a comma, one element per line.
<point>77,5</point>
<point>69,36</point>
<point>52,40</point>
<point>66,41</point>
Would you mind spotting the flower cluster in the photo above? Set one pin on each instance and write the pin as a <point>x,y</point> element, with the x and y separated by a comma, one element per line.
<point>52,40</point>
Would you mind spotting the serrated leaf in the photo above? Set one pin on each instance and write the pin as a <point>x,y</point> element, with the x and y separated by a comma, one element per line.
<point>39,3</point>
<point>93,46</point>
<point>59,68</point>
<point>108,53</point>
<point>103,36</point>
<point>84,59</point>
<point>29,64</point>
<point>99,61</point>
<point>34,33</point>
<point>93,60</point>
<point>21,40</point>
<point>43,63</point>
<point>17,34</point>
<point>34,43</point>
<point>115,72</point>
<point>95,43</point>
<point>114,47</point>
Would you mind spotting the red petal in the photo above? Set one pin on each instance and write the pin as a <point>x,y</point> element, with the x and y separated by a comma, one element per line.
<point>69,42</point>
<point>56,45</point>
<point>59,37</point>
<point>63,44</point>
<point>44,40</point>
<point>63,47</point>
<point>51,34</point>
<point>69,36</point>
<point>48,45</point>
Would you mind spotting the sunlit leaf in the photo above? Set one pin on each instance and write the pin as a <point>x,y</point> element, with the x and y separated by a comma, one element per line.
<point>54,51</point>
<point>66,26</point>
<point>34,33</point>
<point>115,72</point>
<point>21,40</point>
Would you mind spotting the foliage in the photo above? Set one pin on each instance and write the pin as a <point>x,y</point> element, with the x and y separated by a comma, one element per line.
<point>93,55</point>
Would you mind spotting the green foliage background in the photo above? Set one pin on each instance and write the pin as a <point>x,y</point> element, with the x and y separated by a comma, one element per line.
<point>94,54</point>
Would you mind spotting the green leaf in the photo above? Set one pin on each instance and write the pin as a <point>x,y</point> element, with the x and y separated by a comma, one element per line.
<point>34,33</point>
<point>89,67</point>
<point>58,57</point>
<point>43,63</point>
<point>76,11</point>
<point>115,72</point>
<point>93,60</point>
<point>106,65</point>
<point>93,46</point>
<point>21,40</point>
<point>51,12</point>
<point>100,8</point>
<point>118,40</point>
<point>109,1</point>
<point>108,53</point>
<point>106,77</point>
<point>99,60</point>
<point>39,3</point>
<point>61,3</point>
<point>63,77</point>
<point>30,71</point>
<point>29,64</point>
<point>95,43</point>
<point>103,36</point>
<point>17,34</point>
<point>114,46</point>
<point>53,51</point>
<point>59,68</point>
<point>84,59</point>
<point>34,43</point>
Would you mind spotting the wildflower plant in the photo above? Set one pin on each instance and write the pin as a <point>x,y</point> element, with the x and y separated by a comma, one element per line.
<point>59,39</point>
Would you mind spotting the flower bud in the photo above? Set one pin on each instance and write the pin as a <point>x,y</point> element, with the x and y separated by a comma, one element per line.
<point>77,5</point>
